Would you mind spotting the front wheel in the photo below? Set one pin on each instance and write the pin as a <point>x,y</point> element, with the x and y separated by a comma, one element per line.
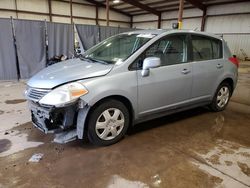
<point>221,98</point>
<point>108,123</point>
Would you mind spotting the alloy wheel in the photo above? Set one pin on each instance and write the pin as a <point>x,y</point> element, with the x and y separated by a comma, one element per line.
<point>223,96</point>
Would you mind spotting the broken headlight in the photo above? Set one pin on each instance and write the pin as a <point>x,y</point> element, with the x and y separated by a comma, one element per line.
<point>64,94</point>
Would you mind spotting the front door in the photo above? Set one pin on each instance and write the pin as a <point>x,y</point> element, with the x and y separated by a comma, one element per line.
<point>168,86</point>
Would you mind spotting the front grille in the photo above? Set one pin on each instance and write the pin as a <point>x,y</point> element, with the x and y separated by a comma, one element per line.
<point>35,94</point>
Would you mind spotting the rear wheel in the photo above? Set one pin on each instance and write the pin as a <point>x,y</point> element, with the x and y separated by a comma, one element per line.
<point>108,123</point>
<point>221,98</point>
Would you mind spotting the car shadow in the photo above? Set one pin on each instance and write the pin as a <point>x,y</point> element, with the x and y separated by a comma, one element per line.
<point>166,120</point>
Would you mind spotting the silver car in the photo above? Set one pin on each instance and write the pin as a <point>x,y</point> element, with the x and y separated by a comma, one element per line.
<point>130,78</point>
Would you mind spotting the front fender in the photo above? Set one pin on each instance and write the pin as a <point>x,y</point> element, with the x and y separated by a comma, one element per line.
<point>120,84</point>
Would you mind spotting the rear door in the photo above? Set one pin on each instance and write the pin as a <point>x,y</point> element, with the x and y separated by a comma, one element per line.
<point>207,66</point>
<point>168,86</point>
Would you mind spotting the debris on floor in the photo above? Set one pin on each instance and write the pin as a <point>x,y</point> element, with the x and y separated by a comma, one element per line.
<point>156,180</point>
<point>36,157</point>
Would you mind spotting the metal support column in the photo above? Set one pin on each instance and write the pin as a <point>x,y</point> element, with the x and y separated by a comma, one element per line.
<point>203,21</point>
<point>96,15</point>
<point>180,14</point>
<point>159,21</point>
<point>131,21</point>
<point>107,12</point>
<point>16,9</point>
<point>71,12</point>
<point>50,12</point>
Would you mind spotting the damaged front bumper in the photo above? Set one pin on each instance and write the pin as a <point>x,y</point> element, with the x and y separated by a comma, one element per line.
<point>66,122</point>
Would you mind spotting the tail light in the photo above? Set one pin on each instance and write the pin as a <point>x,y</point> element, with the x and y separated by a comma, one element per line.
<point>234,60</point>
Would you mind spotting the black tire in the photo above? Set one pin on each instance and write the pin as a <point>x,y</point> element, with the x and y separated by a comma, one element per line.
<point>96,114</point>
<point>214,105</point>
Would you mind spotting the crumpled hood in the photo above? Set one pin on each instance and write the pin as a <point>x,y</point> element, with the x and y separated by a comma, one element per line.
<point>67,71</point>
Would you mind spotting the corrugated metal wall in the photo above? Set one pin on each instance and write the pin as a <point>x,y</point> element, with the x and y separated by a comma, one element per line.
<point>235,27</point>
<point>237,43</point>
<point>59,10</point>
<point>235,30</point>
<point>171,16</point>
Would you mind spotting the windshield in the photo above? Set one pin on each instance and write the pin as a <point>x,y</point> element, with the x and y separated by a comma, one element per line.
<point>117,48</point>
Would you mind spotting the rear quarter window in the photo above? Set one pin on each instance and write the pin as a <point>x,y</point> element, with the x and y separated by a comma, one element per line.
<point>206,48</point>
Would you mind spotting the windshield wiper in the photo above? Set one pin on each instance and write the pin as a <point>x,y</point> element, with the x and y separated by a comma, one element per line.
<point>83,58</point>
<point>97,60</point>
<point>92,60</point>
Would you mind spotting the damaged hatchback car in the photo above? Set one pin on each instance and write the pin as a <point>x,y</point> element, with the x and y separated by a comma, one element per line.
<point>130,78</point>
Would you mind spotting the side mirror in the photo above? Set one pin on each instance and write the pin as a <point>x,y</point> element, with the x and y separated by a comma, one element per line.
<point>150,63</point>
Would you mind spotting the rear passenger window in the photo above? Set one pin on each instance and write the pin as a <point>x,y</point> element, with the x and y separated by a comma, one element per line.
<point>205,48</point>
<point>217,49</point>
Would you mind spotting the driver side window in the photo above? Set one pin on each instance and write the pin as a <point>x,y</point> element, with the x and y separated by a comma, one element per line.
<point>171,50</point>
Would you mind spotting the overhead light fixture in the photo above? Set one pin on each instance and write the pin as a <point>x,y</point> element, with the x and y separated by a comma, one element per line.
<point>116,1</point>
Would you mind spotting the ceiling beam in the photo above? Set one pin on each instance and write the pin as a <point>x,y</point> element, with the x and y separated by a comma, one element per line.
<point>142,6</point>
<point>166,10</point>
<point>198,4</point>
<point>160,8</point>
<point>104,6</point>
<point>161,2</point>
<point>120,3</point>
<point>225,3</point>
<point>156,5</point>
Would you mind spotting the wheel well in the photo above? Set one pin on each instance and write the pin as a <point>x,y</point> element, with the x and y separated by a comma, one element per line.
<point>120,98</point>
<point>230,82</point>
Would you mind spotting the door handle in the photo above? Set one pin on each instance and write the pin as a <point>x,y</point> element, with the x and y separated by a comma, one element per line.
<point>219,65</point>
<point>185,71</point>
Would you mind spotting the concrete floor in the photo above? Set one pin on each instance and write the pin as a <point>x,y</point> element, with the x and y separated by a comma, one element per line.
<point>196,148</point>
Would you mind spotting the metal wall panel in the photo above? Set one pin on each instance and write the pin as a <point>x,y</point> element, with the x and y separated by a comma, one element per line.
<point>235,30</point>
<point>8,4</point>
<point>172,16</point>
<point>31,5</point>
<point>60,7</point>
<point>114,24</point>
<point>229,8</point>
<point>193,24</point>
<point>228,24</point>
<point>236,42</point>
<point>113,15</point>
<point>88,13</point>
<point>123,29</point>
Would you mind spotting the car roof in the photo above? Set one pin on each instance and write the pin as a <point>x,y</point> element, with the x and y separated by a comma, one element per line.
<point>161,31</point>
